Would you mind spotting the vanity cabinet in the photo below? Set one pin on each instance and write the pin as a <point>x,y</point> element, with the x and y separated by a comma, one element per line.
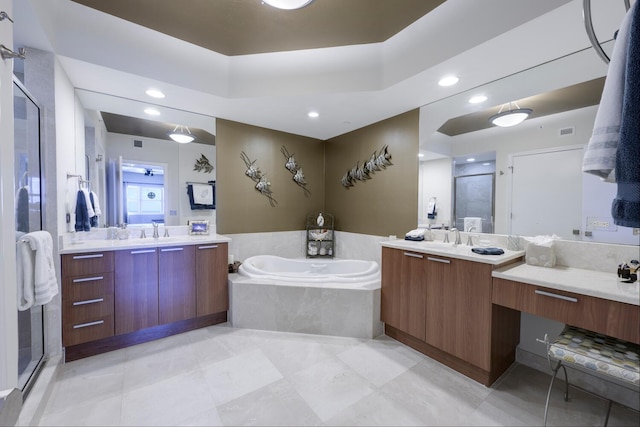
<point>136,289</point>
<point>114,299</point>
<point>176,284</point>
<point>442,307</point>
<point>211,276</point>
<point>87,297</point>
<point>403,300</point>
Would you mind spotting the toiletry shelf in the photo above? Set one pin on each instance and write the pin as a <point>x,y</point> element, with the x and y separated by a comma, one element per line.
<point>320,236</point>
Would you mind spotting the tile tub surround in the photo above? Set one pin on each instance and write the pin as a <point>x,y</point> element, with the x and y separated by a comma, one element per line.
<point>263,304</point>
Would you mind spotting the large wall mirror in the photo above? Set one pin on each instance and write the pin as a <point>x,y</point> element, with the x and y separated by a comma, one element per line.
<point>137,172</point>
<point>525,179</point>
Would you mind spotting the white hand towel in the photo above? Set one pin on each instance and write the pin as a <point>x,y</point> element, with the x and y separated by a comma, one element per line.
<point>39,282</point>
<point>90,210</point>
<point>600,155</point>
<point>202,194</point>
<point>96,204</point>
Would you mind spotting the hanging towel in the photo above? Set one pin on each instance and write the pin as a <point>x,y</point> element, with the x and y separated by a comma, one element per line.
<point>600,155</point>
<point>96,203</point>
<point>209,196</point>
<point>626,206</point>
<point>82,214</point>
<point>432,208</point>
<point>22,210</point>
<point>93,221</point>
<point>87,198</point>
<point>37,282</point>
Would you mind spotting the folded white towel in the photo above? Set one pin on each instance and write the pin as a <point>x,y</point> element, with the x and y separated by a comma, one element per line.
<point>472,221</point>
<point>36,272</point>
<point>600,155</point>
<point>202,194</point>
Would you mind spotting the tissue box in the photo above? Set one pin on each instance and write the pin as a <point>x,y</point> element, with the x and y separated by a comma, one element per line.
<point>540,255</point>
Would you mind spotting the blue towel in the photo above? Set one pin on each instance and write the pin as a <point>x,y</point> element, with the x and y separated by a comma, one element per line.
<point>626,206</point>
<point>82,213</point>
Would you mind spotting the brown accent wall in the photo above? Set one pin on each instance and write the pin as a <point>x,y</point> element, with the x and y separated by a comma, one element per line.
<point>240,207</point>
<point>388,202</point>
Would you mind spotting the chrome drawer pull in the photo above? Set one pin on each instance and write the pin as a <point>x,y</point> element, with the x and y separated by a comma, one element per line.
<point>443,261</point>
<point>562,297</point>
<point>208,247</point>
<point>171,249</point>
<point>413,255</point>
<point>88,279</point>
<point>148,251</point>
<point>84,325</point>
<point>89,301</point>
<point>88,256</point>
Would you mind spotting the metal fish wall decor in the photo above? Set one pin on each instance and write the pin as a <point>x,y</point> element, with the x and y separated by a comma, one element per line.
<point>292,166</point>
<point>364,170</point>
<point>203,164</point>
<point>262,185</point>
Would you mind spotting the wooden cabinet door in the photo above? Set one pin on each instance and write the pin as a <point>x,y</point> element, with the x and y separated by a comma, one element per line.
<point>404,291</point>
<point>459,309</point>
<point>176,284</point>
<point>136,289</point>
<point>212,272</point>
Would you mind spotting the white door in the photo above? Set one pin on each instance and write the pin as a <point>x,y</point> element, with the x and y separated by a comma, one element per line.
<point>546,192</point>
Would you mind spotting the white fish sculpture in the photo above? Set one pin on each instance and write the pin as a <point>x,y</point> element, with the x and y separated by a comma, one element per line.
<point>384,158</point>
<point>263,186</point>
<point>291,164</point>
<point>252,171</point>
<point>371,166</point>
<point>346,180</point>
<point>298,177</point>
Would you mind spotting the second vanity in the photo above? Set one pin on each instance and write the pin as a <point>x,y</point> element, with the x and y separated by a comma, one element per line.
<point>464,309</point>
<point>436,298</point>
<point>117,293</point>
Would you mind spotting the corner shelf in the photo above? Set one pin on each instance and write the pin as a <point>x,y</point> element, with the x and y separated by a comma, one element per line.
<point>320,238</point>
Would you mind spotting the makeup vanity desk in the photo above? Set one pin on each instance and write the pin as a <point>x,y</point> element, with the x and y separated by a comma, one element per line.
<point>592,300</point>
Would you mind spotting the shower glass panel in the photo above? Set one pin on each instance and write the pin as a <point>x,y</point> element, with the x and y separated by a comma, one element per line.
<point>474,197</point>
<point>27,129</point>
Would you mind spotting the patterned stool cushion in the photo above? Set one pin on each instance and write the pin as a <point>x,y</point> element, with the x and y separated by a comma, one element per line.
<point>599,353</point>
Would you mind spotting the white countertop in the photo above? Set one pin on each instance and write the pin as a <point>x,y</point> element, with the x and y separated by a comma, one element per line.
<point>452,251</point>
<point>586,282</point>
<point>92,245</point>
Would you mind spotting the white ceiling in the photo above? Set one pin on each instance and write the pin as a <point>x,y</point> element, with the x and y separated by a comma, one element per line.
<point>350,86</point>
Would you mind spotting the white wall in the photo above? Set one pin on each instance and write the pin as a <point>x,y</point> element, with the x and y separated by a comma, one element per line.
<point>8,298</point>
<point>435,180</point>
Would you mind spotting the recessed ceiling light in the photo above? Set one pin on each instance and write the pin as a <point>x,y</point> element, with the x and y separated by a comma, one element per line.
<point>287,4</point>
<point>477,99</point>
<point>471,159</point>
<point>154,93</point>
<point>152,111</point>
<point>313,114</point>
<point>420,154</point>
<point>486,164</point>
<point>448,81</point>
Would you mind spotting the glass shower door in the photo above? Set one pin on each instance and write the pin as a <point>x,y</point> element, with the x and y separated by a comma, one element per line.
<point>27,125</point>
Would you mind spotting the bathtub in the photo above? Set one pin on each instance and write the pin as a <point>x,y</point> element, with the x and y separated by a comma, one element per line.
<point>317,296</point>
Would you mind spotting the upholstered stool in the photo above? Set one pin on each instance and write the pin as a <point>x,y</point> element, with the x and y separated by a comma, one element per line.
<point>600,355</point>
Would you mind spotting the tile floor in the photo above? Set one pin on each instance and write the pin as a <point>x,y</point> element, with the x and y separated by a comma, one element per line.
<point>225,376</point>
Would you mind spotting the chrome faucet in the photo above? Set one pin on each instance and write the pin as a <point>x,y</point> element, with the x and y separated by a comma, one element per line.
<point>458,240</point>
<point>155,230</point>
<point>469,239</point>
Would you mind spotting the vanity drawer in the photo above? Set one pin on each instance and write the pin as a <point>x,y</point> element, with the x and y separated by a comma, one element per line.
<point>607,317</point>
<point>81,332</point>
<point>86,263</point>
<point>88,286</point>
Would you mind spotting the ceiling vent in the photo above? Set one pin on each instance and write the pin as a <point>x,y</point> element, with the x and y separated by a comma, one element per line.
<point>567,131</point>
<point>137,143</point>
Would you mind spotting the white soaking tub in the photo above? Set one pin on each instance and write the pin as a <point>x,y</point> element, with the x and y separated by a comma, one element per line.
<point>317,296</point>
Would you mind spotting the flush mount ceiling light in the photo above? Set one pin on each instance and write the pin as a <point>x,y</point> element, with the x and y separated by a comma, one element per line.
<point>154,93</point>
<point>313,114</point>
<point>152,111</point>
<point>448,81</point>
<point>182,135</point>
<point>287,4</point>
<point>510,117</point>
<point>477,99</point>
